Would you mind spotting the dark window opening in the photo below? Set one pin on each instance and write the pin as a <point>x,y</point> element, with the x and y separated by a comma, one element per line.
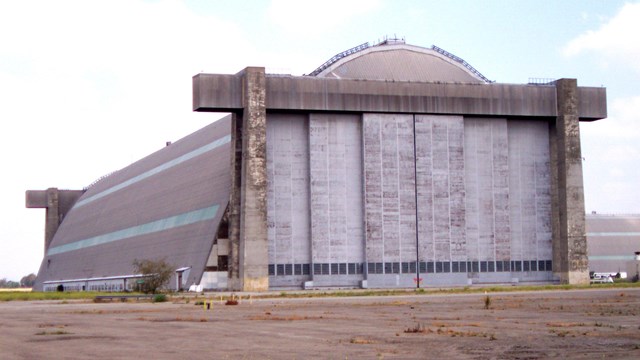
<point>223,263</point>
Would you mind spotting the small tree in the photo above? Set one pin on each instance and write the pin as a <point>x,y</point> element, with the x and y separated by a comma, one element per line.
<point>28,281</point>
<point>156,274</point>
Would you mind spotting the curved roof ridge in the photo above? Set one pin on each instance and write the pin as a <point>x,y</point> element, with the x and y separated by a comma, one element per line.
<point>450,61</point>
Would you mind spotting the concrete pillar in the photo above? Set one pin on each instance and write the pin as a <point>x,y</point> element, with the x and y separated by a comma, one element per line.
<point>57,202</point>
<point>234,282</point>
<point>253,242</point>
<point>569,233</point>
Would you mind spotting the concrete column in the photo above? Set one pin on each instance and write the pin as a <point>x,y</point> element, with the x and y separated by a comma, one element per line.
<point>57,202</point>
<point>569,234</point>
<point>253,241</point>
<point>234,282</point>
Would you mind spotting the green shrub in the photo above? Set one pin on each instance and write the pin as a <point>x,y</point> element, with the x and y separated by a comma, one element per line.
<point>160,298</point>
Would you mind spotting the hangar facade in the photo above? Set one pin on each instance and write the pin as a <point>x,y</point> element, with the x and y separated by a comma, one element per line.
<point>388,166</point>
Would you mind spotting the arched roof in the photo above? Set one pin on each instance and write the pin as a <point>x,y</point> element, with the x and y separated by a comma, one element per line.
<point>397,61</point>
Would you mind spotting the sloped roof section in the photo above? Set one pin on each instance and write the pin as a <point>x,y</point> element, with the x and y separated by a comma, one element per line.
<point>397,61</point>
<point>166,205</point>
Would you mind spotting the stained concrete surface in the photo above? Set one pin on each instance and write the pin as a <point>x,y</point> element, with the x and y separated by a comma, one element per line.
<point>600,323</point>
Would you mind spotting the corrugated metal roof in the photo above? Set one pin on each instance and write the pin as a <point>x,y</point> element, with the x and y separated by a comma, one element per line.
<point>166,205</point>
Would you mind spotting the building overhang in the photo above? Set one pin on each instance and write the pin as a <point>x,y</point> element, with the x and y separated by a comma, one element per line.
<point>224,93</point>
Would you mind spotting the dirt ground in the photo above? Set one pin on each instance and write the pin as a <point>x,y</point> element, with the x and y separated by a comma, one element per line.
<point>601,323</point>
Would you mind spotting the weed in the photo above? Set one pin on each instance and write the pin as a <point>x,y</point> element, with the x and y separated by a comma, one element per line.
<point>57,332</point>
<point>359,340</point>
<point>419,328</point>
<point>487,302</point>
<point>159,298</point>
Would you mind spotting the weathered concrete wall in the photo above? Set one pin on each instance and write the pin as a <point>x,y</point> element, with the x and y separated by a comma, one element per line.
<point>390,207</point>
<point>234,282</point>
<point>288,198</point>
<point>529,190</point>
<point>215,92</point>
<point>57,202</point>
<point>337,230</point>
<point>253,242</point>
<point>573,266</point>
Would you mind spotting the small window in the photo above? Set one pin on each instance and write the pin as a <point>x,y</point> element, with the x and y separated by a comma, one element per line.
<point>272,270</point>
<point>492,266</point>
<point>325,269</point>
<point>430,267</point>
<point>446,267</point>
<point>463,266</point>
<point>334,269</point>
<point>388,268</point>
<point>223,263</point>
<point>342,268</point>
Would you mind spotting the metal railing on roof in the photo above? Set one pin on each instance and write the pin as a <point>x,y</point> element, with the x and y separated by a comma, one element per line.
<point>462,62</point>
<point>337,57</point>
<point>541,81</point>
<point>99,179</point>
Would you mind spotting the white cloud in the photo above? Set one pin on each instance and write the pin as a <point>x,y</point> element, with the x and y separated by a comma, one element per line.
<point>615,41</point>
<point>612,153</point>
<point>307,18</point>
<point>623,121</point>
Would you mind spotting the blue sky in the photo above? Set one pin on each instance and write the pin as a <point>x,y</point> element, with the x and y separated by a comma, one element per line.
<point>87,87</point>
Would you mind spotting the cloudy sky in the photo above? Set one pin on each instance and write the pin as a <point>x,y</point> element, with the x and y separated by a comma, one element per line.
<point>88,87</point>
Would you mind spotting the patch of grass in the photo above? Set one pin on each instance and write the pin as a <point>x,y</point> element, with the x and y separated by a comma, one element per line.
<point>418,328</point>
<point>294,317</point>
<point>57,332</point>
<point>54,295</point>
<point>159,298</point>
<point>359,340</point>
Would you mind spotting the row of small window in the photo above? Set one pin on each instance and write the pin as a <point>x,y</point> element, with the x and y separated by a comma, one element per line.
<point>318,269</point>
<point>410,267</point>
<point>459,266</point>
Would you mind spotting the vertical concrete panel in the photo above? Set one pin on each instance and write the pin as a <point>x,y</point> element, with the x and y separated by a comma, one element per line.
<point>287,189</point>
<point>487,183</point>
<point>336,188</point>
<point>530,195</point>
<point>389,187</point>
<point>542,164</point>
<point>424,186</point>
<point>472,191</point>
<point>440,168</point>
<point>502,233</point>
<point>457,189</point>
<point>372,156</point>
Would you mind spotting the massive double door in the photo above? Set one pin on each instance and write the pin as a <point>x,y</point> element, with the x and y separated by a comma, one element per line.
<point>401,200</point>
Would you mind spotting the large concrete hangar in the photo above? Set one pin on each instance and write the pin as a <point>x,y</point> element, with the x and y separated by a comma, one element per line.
<point>388,166</point>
